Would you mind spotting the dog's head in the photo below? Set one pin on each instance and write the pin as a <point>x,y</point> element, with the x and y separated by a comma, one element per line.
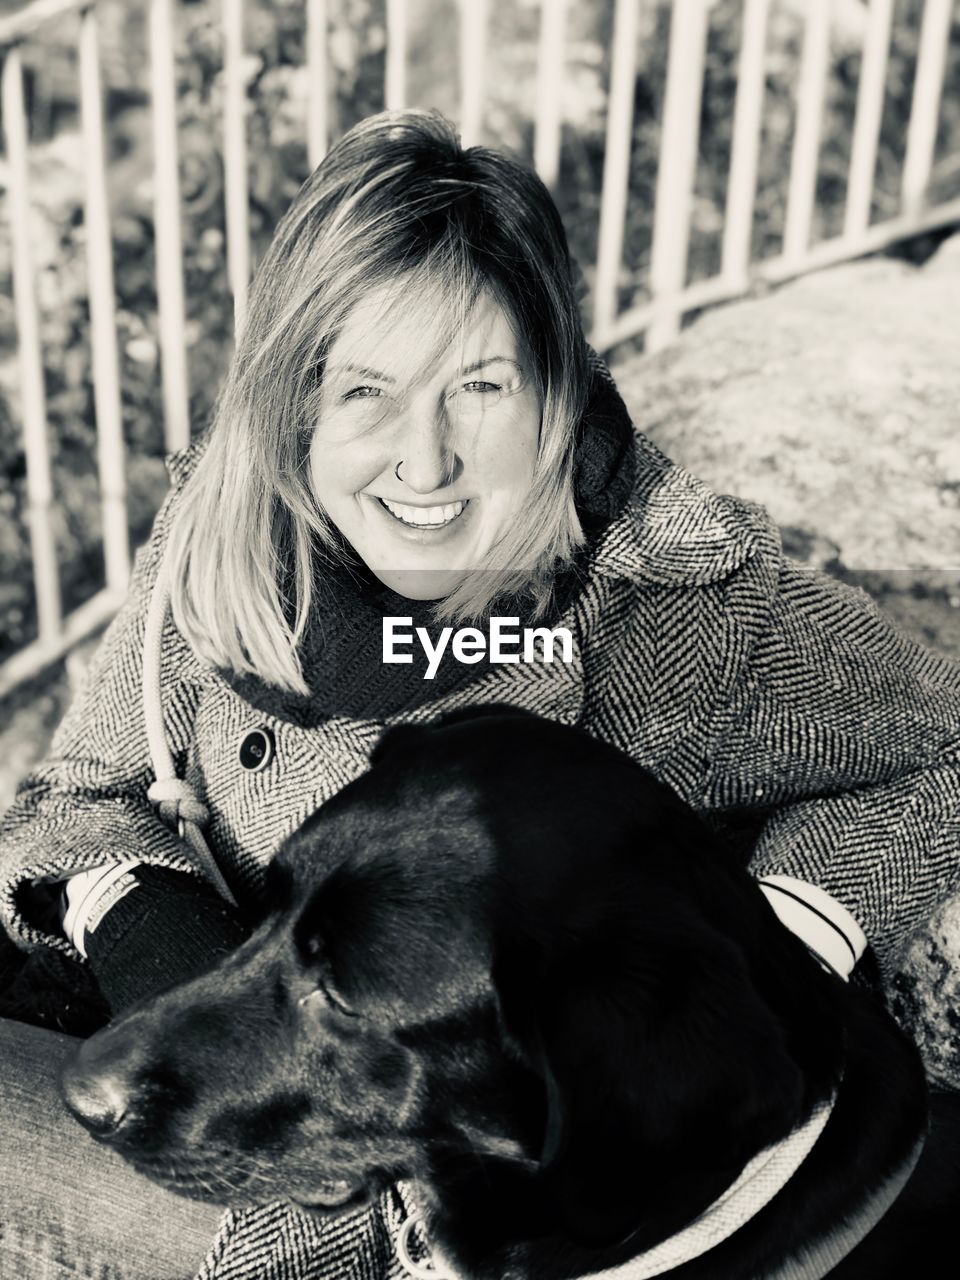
<point>504,956</point>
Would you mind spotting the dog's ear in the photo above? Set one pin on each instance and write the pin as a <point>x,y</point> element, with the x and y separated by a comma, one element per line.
<point>664,1069</point>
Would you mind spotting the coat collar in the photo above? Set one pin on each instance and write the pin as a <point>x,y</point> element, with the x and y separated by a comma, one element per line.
<point>675,531</point>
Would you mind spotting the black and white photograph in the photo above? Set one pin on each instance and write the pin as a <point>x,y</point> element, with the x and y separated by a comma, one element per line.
<point>479,639</point>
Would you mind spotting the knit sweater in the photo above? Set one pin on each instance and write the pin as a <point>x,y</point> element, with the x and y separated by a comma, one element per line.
<point>761,692</point>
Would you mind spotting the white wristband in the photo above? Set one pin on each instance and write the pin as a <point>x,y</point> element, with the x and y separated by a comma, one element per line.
<point>91,894</point>
<point>827,928</point>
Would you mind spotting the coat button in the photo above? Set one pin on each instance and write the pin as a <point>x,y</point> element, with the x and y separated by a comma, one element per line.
<point>256,749</point>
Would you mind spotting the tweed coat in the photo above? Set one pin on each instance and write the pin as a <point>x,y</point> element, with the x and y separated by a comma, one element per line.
<point>752,686</point>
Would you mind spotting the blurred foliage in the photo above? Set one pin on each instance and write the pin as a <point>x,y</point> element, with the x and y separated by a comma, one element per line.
<point>277,93</point>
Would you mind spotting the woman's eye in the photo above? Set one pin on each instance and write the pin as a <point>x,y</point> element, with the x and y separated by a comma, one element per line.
<point>485,388</point>
<point>362,393</point>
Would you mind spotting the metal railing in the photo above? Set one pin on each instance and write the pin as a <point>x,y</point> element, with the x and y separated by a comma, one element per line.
<point>659,319</point>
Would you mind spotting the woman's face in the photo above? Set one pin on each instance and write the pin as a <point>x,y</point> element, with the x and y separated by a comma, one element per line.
<point>423,472</point>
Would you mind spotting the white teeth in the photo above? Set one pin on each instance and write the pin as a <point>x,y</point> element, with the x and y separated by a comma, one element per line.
<point>424,517</point>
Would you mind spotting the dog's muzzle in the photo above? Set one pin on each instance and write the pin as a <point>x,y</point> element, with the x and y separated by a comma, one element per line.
<point>96,1088</point>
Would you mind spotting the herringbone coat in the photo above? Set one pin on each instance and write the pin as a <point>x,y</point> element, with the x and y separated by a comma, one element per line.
<point>752,686</point>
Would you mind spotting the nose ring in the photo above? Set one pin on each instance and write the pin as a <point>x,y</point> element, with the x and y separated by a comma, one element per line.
<point>396,470</point>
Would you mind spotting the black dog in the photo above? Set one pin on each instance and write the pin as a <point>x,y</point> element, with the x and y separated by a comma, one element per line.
<point>509,965</point>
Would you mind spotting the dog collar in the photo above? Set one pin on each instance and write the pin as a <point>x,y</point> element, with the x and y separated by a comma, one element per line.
<point>828,1252</point>
<point>427,1265</point>
<point>759,1181</point>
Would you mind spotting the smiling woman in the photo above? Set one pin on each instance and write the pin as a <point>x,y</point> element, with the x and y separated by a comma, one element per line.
<point>425,478</point>
<point>353,415</point>
<point>414,436</point>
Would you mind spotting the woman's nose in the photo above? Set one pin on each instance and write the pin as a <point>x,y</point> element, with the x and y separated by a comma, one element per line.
<point>427,453</point>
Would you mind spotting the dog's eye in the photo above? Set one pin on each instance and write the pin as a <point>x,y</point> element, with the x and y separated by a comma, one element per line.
<point>327,992</point>
<point>331,993</point>
<point>313,951</point>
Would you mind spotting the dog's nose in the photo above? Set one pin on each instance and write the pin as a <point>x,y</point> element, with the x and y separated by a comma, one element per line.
<point>95,1083</point>
<point>98,1101</point>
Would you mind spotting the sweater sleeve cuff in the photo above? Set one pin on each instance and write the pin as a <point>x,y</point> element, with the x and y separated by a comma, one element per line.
<point>88,895</point>
<point>827,928</point>
<point>169,928</point>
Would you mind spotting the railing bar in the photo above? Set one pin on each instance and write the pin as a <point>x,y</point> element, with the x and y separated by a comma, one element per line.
<point>550,61</point>
<point>742,181</point>
<point>82,622</point>
<point>616,164</point>
<point>103,323</point>
<point>318,81</point>
<point>924,109</point>
<point>875,237</point>
<point>395,76</point>
<point>169,243</point>
<point>777,270</point>
<point>678,152</point>
<point>811,89</point>
<point>23,23</point>
<point>637,319</point>
<point>869,116</point>
<point>235,159</point>
<point>33,400</point>
<point>473,49</point>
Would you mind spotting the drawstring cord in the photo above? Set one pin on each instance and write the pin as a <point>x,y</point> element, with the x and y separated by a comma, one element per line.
<point>176,801</point>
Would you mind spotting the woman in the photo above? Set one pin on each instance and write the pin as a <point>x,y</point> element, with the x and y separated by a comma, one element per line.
<point>413,436</point>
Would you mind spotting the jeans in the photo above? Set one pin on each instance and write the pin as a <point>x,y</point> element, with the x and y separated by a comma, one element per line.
<point>69,1207</point>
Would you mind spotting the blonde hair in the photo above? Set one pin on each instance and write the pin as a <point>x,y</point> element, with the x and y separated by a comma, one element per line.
<point>397,201</point>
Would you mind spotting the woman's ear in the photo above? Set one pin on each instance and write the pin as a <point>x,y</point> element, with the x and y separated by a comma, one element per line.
<point>664,1070</point>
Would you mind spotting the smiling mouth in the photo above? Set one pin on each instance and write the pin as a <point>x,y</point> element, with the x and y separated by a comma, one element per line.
<point>425,517</point>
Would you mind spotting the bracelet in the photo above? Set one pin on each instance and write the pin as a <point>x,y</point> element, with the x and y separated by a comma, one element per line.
<point>89,895</point>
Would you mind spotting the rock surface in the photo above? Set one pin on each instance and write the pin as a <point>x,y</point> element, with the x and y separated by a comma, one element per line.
<point>835,402</point>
